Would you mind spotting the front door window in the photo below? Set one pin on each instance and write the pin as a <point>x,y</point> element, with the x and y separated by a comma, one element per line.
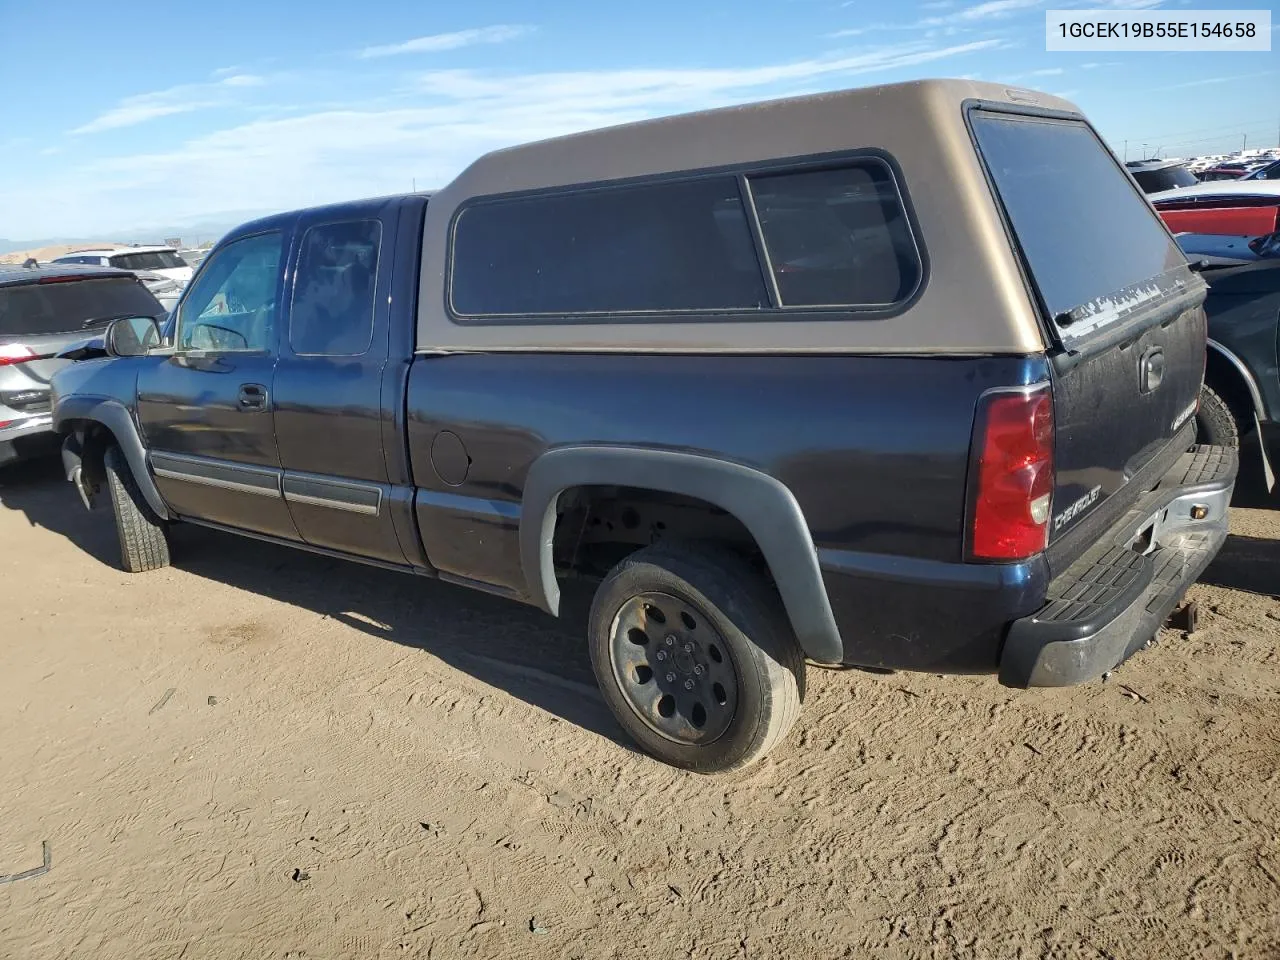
<point>232,306</point>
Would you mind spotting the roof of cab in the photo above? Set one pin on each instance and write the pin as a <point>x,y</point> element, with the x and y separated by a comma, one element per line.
<point>341,209</point>
<point>921,125</point>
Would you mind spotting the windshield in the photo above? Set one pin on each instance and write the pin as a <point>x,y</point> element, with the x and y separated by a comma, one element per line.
<point>66,306</point>
<point>1085,231</point>
<point>151,260</point>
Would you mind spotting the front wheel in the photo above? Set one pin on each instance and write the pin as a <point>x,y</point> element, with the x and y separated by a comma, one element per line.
<point>144,538</point>
<point>695,657</point>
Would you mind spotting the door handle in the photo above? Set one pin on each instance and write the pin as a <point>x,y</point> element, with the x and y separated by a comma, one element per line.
<point>253,396</point>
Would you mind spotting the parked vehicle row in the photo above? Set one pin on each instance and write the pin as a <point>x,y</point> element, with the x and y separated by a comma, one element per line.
<point>1155,176</point>
<point>161,261</point>
<point>43,310</point>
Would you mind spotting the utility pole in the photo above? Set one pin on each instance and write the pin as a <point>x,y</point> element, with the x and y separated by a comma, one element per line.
<point>1244,142</point>
<point>1126,151</point>
<point>415,184</point>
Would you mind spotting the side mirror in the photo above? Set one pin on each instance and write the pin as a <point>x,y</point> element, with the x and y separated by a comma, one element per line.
<point>132,336</point>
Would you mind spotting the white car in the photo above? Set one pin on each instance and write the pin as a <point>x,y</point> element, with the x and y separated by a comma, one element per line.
<point>163,288</point>
<point>1221,193</point>
<point>164,261</point>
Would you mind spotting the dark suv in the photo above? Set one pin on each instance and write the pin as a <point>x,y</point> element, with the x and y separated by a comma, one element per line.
<point>902,378</point>
<point>44,309</point>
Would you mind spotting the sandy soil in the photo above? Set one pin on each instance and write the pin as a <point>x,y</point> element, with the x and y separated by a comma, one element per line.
<point>259,753</point>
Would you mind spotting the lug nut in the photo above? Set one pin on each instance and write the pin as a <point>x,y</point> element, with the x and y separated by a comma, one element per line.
<point>671,678</point>
<point>688,684</point>
<point>697,669</point>
<point>671,640</point>
<point>662,654</point>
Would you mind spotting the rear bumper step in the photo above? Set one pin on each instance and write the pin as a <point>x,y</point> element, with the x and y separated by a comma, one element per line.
<point>1114,598</point>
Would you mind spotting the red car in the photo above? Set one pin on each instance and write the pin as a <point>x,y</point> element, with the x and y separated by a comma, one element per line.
<point>1238,208</point>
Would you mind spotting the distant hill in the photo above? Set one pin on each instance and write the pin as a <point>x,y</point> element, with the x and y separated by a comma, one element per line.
<point>52,250</point>
<point>193,233</point>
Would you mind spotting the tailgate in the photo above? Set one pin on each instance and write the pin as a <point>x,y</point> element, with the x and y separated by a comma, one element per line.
<point>1122,306</point>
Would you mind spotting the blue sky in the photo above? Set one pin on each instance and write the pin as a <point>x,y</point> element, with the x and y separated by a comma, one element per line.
<point>123,116</point>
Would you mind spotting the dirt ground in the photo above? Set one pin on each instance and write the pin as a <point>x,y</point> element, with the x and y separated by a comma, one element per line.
<point>259,754</point>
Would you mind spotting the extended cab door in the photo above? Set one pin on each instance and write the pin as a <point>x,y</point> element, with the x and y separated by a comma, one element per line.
<point>206,411</point>
<point>329,384</point>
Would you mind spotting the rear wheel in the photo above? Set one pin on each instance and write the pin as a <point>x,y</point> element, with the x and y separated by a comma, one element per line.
<point>695,657</point>
<point>144,539</point>
<point>1215,423</point>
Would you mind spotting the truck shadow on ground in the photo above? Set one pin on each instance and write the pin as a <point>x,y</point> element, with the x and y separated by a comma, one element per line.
<point>507,645</point>
<point>534,657</point>
<point>1246,563</point>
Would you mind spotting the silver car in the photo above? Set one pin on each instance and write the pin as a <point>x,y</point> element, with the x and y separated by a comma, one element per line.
<point>44,310</point>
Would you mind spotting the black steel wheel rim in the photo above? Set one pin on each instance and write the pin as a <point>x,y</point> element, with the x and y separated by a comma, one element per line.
<point>673,668</point>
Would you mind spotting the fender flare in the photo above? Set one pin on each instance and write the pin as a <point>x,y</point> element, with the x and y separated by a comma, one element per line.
<point>764,505</point>
<point>113,415</point>
<point>1250,382</point>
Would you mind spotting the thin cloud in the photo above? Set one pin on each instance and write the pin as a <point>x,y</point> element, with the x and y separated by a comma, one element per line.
<point>446,120</point>
<point>650,91</point>
<point>243,80</point>
<point>185,98</point>
<point>133,111</point>
<point>439,42</point>
<point>1210,81</point>
<point>992,9</point>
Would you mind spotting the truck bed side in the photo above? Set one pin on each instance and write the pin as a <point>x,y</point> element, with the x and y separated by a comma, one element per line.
<point>874,449</point>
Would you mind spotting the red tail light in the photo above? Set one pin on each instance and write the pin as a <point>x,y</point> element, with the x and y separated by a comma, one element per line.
<point>15,353</point>
<point>1013,445</point>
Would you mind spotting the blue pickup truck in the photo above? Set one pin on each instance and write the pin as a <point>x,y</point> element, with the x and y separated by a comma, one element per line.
<point>900,378</point>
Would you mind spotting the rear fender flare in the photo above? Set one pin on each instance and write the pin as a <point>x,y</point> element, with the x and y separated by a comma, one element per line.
<point>764,505</point>
<point>113,415</point>
<point>1246,376</point>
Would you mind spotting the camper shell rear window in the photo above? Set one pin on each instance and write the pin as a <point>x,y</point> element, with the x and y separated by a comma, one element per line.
<point>1092,243</point>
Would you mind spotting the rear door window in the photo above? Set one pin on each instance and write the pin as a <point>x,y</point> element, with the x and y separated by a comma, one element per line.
<point>1088,236</point>
<point>65,306</point>
<point>837,237</point>
<point>332,313</point>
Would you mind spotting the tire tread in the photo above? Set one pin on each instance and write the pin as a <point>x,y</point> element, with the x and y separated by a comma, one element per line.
<point>144,539</point>
<point>1215,421</point>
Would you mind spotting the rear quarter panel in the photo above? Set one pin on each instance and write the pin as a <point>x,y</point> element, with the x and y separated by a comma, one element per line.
<point>875,450</point>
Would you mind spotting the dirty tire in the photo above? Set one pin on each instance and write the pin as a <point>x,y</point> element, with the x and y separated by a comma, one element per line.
<point>746,611</point>
<point>1215,423</point>
<point>144,541</point>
